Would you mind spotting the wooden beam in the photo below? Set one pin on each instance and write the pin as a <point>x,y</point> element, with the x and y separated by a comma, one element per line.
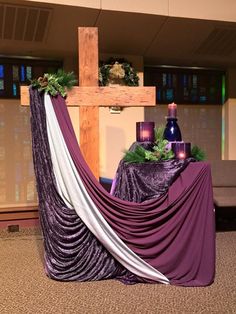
<point>18,211</point>
<point>19,215</point>
<point>24,96</point>
<point>18,208</point>
<point>109,96</point>
<point>89,116</point>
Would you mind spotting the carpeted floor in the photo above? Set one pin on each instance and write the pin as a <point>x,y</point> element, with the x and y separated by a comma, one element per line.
<point>24,287</point>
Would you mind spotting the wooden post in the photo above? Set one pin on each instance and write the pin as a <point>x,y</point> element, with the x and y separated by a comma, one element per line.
<point>89,116</point>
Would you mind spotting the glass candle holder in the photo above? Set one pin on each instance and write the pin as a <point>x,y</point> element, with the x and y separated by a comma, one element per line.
<point>145,131</point>
<point>181,150</point>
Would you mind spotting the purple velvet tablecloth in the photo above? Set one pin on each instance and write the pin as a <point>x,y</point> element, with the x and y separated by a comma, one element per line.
<point>139,182</point>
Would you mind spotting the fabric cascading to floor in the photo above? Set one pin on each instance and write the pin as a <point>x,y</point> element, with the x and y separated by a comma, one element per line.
<point>174,234</point>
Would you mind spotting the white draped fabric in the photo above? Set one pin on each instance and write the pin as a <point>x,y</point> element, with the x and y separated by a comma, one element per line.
<point>75,195</point>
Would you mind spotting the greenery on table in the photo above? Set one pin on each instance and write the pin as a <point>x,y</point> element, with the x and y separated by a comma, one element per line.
<point>117,71</point>
<point>55,83</point>
<point>197,153</point>
<point>160,150</point>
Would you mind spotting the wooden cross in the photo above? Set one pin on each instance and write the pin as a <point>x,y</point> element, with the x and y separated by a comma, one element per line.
<point>89,96</point>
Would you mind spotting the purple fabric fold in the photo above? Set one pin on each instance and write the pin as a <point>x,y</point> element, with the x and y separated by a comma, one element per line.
<point>175,232</point>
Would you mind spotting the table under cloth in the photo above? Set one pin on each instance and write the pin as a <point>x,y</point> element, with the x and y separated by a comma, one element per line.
<point>187,187</point>
<point>140,182</point>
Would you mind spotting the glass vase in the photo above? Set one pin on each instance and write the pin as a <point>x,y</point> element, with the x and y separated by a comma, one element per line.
<point>172,131</point>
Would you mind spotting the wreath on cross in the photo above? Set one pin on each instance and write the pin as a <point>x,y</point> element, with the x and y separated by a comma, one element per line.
<point>117,71</point>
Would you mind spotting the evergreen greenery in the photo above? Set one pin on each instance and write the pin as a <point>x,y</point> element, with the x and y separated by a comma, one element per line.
<point>138,155</point>
<point>54,83</point>
<point>159,133</point>
<point>197,153</point>
<point>160,150</point>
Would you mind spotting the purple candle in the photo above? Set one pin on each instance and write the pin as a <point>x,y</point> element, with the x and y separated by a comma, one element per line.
<point>145,131</point>
<point>181,150</point>
<point>172,110</point>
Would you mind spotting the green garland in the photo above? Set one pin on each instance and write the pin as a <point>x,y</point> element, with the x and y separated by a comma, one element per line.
<point>55,83</point>
<point>160,151</point>
<point>117,71</point>
<point>197,153</point>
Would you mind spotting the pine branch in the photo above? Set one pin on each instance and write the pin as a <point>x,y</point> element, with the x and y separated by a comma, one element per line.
<point>197,153</point>
<point>138,155</point>
<point>159,133</point>
<point>55,83</point>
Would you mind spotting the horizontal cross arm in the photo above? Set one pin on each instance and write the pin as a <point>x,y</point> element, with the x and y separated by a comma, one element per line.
<point>108,96</point>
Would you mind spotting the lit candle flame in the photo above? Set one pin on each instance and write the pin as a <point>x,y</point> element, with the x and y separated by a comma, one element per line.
<point>145,133</point>
<point>181,155</point>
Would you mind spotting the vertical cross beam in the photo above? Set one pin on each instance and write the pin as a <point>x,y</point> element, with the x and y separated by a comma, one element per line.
<point>89,116</point>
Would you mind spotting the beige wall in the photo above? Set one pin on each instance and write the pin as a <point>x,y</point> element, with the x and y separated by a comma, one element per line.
<point>159,7</point>
<point>201,9</point>
<point>17,186</point>
<point>230,129</point>
<point>229,118</point>
<point>96,4</point>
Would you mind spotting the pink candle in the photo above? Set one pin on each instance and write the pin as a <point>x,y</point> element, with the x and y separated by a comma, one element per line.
<point>172,110</point>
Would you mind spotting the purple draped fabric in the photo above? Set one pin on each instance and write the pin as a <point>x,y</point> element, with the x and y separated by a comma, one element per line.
<point>71,251</point>
<point>175,232</point>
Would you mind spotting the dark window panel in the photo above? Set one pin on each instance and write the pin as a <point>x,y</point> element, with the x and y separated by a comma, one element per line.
<point>23,70</point>
<point>1,85</point>
<point>1,71</point>
<point>186,86</point>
